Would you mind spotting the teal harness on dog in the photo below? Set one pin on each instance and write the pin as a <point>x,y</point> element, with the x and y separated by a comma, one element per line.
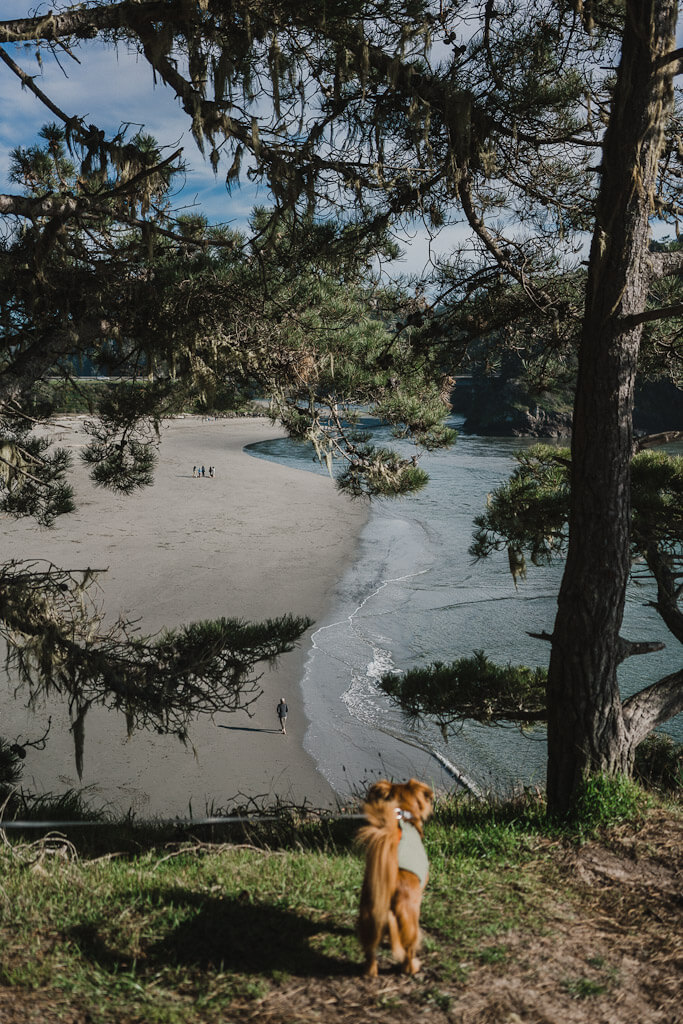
<point>412,855</point>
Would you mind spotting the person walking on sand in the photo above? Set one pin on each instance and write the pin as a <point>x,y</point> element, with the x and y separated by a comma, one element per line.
<point>282,710</point>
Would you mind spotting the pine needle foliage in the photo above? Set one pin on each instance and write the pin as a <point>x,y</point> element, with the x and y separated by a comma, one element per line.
<point>472,688</point>
<point>531,122</point>
<point>173,311</point>
<point>528,516</point>
<point>59,645</point>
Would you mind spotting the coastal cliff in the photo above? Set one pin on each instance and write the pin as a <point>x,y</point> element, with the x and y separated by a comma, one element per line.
<point>500,407</point>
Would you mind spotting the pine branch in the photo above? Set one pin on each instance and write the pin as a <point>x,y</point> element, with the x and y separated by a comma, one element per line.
<point>538,296</point>
<point>665,264</point>
<point>629,648</point>
<point>57,644</point>
<point>655,440</point>
<point>653,706</point>
<point>651,315</point>
<point>81,21</point>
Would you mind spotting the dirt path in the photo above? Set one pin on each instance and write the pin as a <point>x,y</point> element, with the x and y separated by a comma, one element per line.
<point>614,955</point>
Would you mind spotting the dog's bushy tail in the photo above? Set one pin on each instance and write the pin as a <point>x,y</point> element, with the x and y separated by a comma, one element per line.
<point>380,839</point>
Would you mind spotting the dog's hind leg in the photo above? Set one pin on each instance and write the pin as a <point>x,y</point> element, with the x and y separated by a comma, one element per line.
<point>406,907</point>
<point>370,934</point>
<point>397,950</point>
<point>410,936</point>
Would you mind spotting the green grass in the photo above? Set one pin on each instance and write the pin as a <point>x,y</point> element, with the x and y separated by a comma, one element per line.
<point>587,988</point>
<point>607,800</point>
<point>174,934</point>
<point>154,935</point>
<point>187,932</point>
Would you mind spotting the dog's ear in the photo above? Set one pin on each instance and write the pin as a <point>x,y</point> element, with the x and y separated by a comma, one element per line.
<point>423,795</point>
<point>421,789</point>
<point>381,790</point>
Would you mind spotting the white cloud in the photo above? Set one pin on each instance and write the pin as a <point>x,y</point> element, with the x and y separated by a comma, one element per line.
<point>109,87</point>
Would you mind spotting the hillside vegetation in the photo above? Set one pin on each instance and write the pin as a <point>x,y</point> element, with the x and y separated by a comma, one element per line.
<point>522,923</point>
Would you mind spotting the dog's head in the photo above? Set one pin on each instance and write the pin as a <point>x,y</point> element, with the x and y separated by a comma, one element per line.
<point>414,797</point>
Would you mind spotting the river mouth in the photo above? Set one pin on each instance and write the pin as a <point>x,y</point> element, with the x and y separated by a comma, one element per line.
<point>414,595</point>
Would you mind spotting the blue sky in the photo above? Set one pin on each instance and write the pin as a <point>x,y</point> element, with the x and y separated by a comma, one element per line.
<point>109,87</point>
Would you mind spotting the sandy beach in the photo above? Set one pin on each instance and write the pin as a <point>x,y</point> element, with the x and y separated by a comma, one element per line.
<point>255,542</point>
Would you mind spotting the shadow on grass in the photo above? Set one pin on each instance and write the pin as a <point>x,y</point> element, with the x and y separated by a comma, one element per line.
<point>222,934</point>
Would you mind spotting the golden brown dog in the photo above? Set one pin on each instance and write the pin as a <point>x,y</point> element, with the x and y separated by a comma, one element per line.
<point>396,870</point>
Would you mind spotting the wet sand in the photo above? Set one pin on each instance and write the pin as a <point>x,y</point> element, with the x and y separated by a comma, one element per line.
<point>255,542</point>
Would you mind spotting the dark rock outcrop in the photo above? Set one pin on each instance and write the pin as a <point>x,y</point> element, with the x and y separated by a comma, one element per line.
<point>495,407</point>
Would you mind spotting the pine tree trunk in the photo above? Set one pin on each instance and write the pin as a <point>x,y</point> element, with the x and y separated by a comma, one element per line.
<point>586,728</point>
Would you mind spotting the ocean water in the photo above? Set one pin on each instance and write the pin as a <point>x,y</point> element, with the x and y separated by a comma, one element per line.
<point>414,595</point>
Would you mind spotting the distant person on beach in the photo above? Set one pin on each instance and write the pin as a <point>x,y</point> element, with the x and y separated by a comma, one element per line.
<point>212,471</point>
<point>194,471</point>
<point>203,471</point>
<point>282,710</point>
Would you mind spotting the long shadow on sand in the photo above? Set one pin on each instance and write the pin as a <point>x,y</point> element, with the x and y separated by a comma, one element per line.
<point>246,728</point>
<point>221,934</point>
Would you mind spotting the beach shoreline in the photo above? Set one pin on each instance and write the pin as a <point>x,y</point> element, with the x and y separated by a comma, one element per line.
<point>254,542</point>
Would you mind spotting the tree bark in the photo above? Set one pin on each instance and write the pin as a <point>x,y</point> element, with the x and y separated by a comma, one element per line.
<point>587,730</point>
